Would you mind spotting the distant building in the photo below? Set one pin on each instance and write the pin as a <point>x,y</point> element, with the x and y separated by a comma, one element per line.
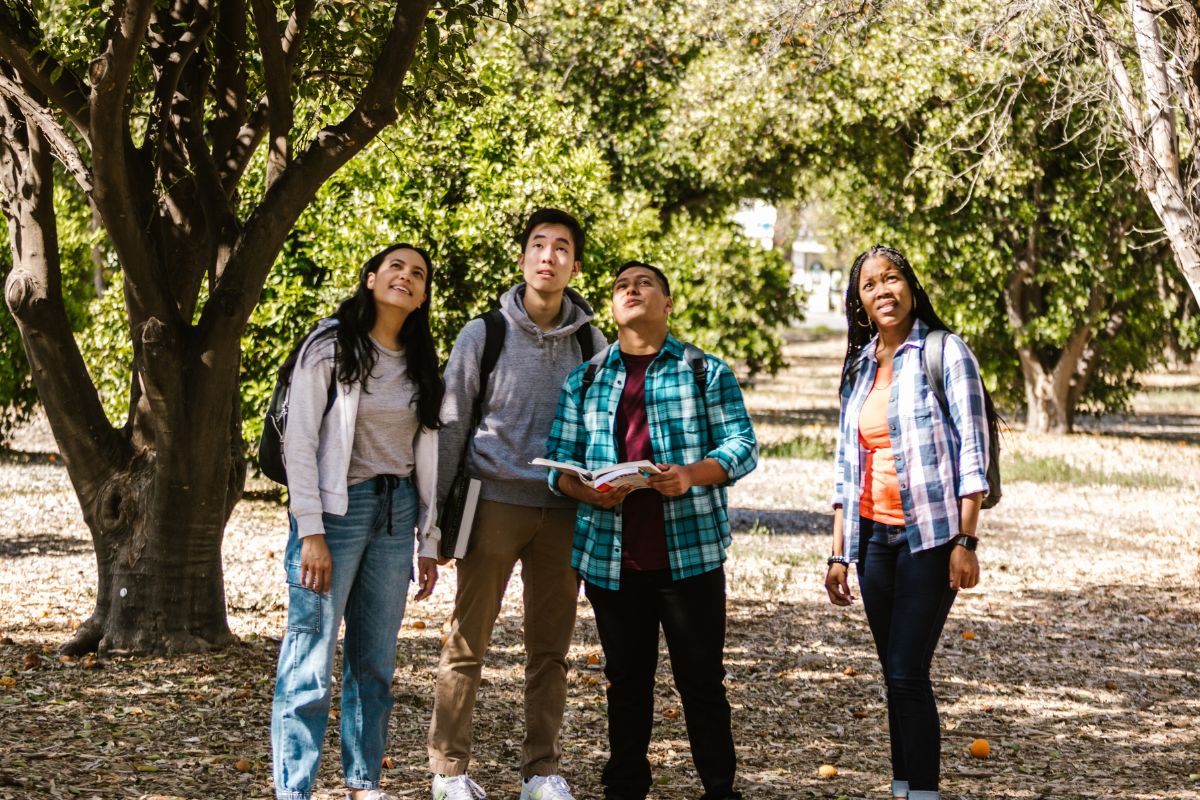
<point>814,267</point>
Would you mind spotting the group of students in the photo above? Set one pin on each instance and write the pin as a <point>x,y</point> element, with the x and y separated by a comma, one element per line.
<point>374,439</point>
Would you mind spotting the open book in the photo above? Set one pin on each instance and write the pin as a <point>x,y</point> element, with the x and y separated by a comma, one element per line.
<point>627,473</point>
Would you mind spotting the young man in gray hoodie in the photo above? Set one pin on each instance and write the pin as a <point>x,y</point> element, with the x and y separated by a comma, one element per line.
<point>518,518</point>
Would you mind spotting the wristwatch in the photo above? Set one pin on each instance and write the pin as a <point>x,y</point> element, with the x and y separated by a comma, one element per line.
<point>966,540</point>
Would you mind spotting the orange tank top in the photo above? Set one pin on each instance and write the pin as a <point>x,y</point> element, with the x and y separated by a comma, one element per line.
<point>881,489</point>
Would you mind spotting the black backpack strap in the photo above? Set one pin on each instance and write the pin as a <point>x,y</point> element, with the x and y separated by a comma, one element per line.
<point>694,357</point>
<point>587,348</point>
<point>495,329</point>
<point>331,394</point>
<point>933,358</point>
<point>594,363</point>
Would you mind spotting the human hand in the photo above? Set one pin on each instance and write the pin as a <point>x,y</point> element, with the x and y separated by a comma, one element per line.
<point>673,481</point>
<point>572,486</point>
<point>316,563</point>
<point>427,572</point>
<point>964,568</point>
<point>837,585</point>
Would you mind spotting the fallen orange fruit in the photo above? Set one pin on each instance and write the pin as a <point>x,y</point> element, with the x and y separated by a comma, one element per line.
<point>419,625</point>
<point>969,635</point>
<point>241,765</point>
<point>827,771</point>
<point>980,748</point>
<point>671,713</point>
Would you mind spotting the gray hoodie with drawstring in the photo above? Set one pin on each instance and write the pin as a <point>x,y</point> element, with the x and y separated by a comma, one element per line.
<point>518,405</point>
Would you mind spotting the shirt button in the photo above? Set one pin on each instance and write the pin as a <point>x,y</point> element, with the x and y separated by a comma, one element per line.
<point>892,427</point>
<point>904,486</point>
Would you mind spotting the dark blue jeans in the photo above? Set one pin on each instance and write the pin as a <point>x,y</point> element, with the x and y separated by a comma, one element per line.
<point>907,597</point>
<point>692,614</point>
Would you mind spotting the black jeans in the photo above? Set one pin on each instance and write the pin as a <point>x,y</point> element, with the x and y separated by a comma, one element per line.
<point>907,597</point>
<point>692,615</point>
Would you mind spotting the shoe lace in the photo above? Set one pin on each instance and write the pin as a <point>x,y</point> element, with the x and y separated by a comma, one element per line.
<point>558,788</point>
<point>461,787</point>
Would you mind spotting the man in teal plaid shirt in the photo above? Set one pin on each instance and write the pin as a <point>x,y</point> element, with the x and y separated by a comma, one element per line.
<point>655,556</point>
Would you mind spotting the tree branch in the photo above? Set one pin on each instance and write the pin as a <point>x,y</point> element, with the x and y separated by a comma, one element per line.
<point>40,70</point>
<point>279,88</point>
<point>238,287</point>
<point>237,154</point>
<point>91,447</point>
<point>229,76</point>
<point>64,148</point>
<point>116,165</point>
<point>1119,82</point>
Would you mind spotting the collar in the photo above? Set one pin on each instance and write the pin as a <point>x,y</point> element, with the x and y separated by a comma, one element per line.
<point>671,347</point>
<point>916,338</point>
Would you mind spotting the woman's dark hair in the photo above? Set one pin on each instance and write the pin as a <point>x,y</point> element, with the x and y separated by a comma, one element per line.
<point>858,333</point>
<point>356,355</point>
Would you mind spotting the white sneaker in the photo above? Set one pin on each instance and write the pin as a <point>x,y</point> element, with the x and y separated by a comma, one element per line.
<point>456,787</point>
<point>375,794</point>
<point>545,787</point>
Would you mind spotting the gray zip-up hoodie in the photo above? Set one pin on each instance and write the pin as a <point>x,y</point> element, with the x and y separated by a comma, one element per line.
<point>519,404</point>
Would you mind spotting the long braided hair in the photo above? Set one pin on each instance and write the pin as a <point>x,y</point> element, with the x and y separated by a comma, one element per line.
<point>859,327</point>
<point>356,355</point>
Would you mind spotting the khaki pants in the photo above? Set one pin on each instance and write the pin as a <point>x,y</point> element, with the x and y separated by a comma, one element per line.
<point>540,538</point>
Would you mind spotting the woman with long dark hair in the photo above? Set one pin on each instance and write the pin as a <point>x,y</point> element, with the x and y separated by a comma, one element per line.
<point>911,478</point>
<point>361,456</point>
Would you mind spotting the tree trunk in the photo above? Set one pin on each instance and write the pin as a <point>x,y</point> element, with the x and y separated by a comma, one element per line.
<point>1053,383</point>
<point>161,585</point>
<point>1048,405</point>
<point>156,494</point>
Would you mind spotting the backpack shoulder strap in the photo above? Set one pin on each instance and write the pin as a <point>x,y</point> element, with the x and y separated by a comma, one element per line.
<point>493,343</point>
<point>587,347</point>
<point>331,394</point>
<point>495,330</point>
<point>933,358</point>
<point>695,359</point>
<point>589,374</point>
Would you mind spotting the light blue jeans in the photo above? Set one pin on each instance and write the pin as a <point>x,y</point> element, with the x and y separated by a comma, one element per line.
<point>372,567</point>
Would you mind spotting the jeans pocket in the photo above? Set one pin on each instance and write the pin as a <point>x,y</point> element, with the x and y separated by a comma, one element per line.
<point>304,605</point>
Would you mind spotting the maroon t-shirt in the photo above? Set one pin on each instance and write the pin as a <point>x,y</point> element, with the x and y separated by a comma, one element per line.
<point>643,531</point>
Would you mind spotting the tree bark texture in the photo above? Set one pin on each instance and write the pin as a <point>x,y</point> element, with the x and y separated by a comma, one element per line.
<point>1148,117</point>
<point>157,492</point>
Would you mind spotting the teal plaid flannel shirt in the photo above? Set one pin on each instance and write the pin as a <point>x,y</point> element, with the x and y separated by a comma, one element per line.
<point>683,430</point>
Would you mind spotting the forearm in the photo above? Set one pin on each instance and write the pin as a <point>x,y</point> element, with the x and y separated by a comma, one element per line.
<point>838,525</point>
<point>969,507</point>
<point>707,472</point>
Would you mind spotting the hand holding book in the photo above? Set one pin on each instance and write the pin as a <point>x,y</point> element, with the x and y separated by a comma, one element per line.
<point>634,474</point>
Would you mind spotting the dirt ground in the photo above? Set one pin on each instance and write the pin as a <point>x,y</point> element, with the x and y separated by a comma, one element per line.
<point>1082,670</point>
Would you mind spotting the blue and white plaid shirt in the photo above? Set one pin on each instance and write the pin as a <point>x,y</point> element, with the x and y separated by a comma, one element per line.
<point>938,460</point>
<point>697,522</point>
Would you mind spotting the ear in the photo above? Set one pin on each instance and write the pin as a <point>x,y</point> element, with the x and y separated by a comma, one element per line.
<point>670,306</point>
<point>371,280</point>
<point>575,269</point>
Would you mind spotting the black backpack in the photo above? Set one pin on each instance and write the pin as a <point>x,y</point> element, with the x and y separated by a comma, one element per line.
<point>270,444</point>
<point>935,348</point>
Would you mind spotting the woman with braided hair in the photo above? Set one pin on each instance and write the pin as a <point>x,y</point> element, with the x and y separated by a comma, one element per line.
<point>910,480</point>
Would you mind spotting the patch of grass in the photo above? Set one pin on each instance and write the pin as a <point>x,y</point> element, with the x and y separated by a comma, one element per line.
<point>1049,469</point>
<point>804,446</point>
